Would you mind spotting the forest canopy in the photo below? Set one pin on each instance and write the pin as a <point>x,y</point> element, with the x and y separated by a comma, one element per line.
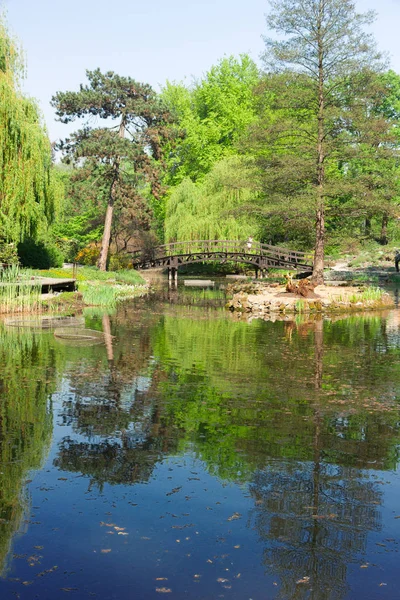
<point>300,151</point>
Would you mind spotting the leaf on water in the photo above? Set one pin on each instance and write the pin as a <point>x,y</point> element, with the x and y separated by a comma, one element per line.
<point>163,590</point>
<point>237,546</point>
<point>174,491</point>
<point>102,524</point>
<point>122,533</point>
<point>364,566</point>
<point>27,582</point>
<point>105,550</point>
<point>119,528</point>
<point>161,578</point>
<point>222,580</point>
<point>303,580</point>
<point>235,516</point>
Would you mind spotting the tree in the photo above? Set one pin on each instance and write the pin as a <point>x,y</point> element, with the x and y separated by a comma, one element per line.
<point>210,116</point>
<point>208,181</point>
<point>207,210</point>
<point>320,75</point>
<point>29,192</point>
<point>125,158</point>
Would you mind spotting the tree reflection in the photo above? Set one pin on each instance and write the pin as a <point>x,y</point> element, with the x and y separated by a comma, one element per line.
<point>27,379</point>
<point>114,407</point>
<point>314,519</point>
<point>289,408</point>
<point>314,516</point>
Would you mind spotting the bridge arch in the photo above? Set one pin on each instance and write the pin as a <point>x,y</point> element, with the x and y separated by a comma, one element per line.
<point>260,256</point>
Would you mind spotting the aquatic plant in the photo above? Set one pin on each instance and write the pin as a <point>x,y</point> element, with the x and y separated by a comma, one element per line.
<point>18,292</point>
<point>370,294</point>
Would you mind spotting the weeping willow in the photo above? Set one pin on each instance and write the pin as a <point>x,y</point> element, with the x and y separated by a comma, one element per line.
<point>29,194</point>
<point>210,210</point>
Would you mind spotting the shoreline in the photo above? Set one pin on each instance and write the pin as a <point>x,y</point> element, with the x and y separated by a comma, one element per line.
<point>263,299</point>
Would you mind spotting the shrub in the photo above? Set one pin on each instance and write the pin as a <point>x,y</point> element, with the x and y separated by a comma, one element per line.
<point>89,255</point>
<point>38,255</point>
<point>8,253</point>
<point>120,261</point>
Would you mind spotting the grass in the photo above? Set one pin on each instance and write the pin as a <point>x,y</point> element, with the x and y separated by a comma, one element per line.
<point>130,277</point>
<point>97,288</point>
<point>17,291</point>
<point>370,294</point>
<point>299,306</point>
<point>105,294</point>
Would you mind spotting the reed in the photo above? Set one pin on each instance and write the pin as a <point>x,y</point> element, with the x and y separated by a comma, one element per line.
<point>103,294</point>
<point>18,292</point>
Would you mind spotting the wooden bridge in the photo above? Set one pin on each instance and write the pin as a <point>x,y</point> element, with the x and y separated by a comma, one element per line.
<point>260,256</point>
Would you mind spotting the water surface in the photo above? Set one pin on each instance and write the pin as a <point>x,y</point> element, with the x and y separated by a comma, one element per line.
<point>200,456</point>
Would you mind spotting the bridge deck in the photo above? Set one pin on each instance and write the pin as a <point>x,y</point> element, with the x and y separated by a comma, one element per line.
<point>261,256</point>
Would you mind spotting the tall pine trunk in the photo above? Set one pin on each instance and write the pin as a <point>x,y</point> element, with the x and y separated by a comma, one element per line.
<point>318,266</point>
<point>105,243</point>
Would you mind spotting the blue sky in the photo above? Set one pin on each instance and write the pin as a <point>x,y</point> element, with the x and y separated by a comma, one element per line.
<point>150,41</point>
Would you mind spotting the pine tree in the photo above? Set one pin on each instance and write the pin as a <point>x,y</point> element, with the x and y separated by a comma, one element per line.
<point>124,158</point>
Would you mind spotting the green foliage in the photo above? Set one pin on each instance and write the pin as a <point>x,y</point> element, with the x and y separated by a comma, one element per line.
<point>210,116</point>
<point>17,291</point>
<point>97,293</point>
<point>8,253</point>
<point>39,255</point>
<point>208,210</point>
<point>323,151</point>
<point>120,162</point>
<point>129,277</point>
<point>30,195</point>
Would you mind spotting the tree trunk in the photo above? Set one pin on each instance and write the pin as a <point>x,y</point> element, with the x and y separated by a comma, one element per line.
<point>318,266</point>
<point>384,237</point>
<point>368,226</point>
<point>105,243</point>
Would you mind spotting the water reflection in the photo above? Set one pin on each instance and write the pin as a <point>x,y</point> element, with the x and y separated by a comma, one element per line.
<point>28,376</point>
<point>298,415</point>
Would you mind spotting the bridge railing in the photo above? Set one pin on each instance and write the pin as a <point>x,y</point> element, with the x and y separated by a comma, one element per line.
<point>227,246</point>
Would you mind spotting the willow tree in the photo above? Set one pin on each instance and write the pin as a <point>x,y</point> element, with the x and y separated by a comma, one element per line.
<point>321,62</point>
<point>125,158</point>
<point>29,195</point>
<point>212,209</point>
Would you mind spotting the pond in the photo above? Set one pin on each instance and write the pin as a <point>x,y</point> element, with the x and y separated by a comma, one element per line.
<point>197,455</point>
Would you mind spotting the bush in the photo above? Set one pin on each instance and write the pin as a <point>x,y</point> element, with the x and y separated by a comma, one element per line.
<point>120,261</point>
<point>68,248</point>
<point>38,255</point>
<point>89,255</point>
<point>8,253</point>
